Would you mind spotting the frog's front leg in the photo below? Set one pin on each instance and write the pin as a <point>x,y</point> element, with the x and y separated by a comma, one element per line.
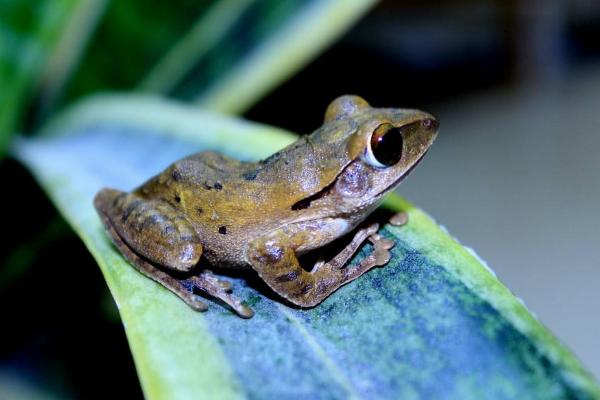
<point>274,259</point>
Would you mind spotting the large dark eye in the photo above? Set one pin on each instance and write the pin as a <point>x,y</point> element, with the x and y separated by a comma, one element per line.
<point>385,147</point>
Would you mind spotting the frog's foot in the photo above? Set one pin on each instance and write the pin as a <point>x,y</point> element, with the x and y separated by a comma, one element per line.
<point>277,264</point>
<point>207,282</point>
<point>178,286</point>
<point>378,257</point>
<point>380,254</point>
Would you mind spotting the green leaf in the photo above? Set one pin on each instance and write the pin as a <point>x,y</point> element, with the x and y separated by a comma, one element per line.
<point>65,57</point>
<point>137,36</point>
<point>208,30</point>
<point>196,50</point>
<point>203,50</point>
<point>433,323</point>
<point>274,40</point>
<point>41,40</point>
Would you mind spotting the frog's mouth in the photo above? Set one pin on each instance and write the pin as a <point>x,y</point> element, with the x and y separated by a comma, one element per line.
<point>402,177</point>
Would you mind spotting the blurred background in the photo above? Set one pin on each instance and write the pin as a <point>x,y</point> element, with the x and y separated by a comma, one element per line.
<point>514,174</point>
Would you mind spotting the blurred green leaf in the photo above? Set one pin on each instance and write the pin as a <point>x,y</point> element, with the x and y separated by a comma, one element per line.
<point>33,32</point>
<point>131,39</point>
<point>433,323</point>
<point>270,41</point>
<point>65,57</point>
<point>277,52</point>
<point>207,31</point>
<point>225,54</point>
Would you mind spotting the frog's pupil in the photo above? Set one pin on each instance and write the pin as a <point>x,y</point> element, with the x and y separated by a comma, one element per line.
<point>387,147</point>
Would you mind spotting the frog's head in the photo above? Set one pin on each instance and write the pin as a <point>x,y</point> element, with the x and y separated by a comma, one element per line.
<point>376,149</point>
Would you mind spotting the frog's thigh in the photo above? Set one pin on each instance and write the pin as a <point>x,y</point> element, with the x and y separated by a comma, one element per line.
<point>278,266</point>
<point>151,228</point>
<point>182,288</point>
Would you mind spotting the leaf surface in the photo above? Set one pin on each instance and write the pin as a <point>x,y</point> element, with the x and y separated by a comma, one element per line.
<point>225,54</point>
<point>40,42</point>
<point>435,322</point>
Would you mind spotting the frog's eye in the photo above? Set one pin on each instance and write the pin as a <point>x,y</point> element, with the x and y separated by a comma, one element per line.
<point>385,146</point>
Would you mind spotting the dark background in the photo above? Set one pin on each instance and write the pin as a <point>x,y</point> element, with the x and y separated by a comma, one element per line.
<point>516,85</point>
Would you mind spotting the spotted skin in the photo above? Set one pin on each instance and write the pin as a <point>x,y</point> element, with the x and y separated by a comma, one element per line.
<point>209,209</point>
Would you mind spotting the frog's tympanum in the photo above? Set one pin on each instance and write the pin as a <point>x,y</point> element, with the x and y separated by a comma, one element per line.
<point>211,209</point>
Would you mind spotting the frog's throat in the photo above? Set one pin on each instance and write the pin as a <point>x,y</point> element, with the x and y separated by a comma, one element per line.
<point>402,177</point>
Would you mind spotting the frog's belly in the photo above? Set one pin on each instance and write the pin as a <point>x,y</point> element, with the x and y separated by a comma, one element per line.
<point>225,251</point>
<point>319,233</point>
<point>228,250</point>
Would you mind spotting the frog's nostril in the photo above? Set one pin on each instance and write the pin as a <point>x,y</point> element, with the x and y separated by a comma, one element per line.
<point>430,124</point>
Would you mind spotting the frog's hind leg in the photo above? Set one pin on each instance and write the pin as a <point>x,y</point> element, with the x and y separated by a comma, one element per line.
<point>182,288</point>
<point>206,281</point>
<point>152,228</point>
<point>154,237</point>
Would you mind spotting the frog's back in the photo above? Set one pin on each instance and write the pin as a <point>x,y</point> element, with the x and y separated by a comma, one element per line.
<point>221,197</point>
<point>231,202</point>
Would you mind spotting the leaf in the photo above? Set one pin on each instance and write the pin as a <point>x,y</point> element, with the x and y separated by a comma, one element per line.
<point>287,35</point>
<point>131,38</point>
<point>33,33</point>
<point>201,50</point>
<point>208,30</point>
<point>76,32</point>
<point>433,323</point>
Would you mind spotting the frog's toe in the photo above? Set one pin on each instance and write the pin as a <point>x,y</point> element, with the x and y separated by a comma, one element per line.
<point>207,282</point>
<point>196,304</point>
<point>381,242</point>
<point>244,311</point>
<point>399,219</point>
<point>380,255</point>
<point>225,285</point>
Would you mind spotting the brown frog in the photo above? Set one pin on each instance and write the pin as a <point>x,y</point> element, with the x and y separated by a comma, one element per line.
<point>263,215</point>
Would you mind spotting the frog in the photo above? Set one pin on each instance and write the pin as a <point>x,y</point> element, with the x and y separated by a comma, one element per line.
<point>210,210</point>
